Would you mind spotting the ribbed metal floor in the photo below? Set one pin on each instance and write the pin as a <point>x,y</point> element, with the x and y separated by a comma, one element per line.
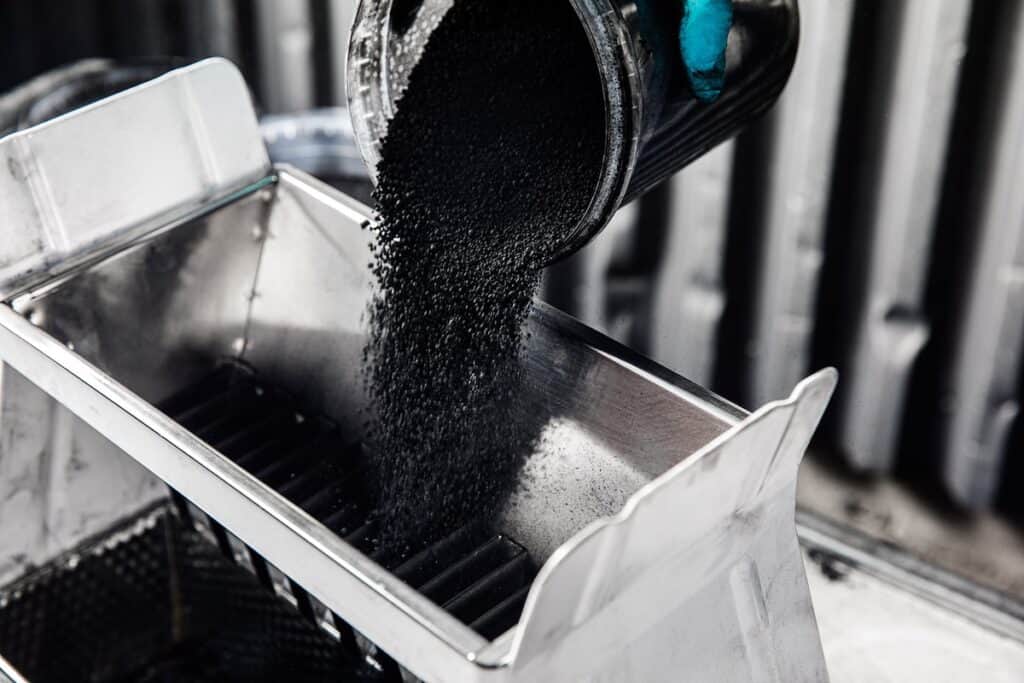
<point>480,577</point>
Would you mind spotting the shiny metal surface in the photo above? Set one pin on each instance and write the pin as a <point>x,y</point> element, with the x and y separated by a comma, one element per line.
<point>319,142</point>
<point>88,179</point>
<point>61,482</point>
<point>984,405</point>
<point>128,320</point>
<point>654,124</point>
<point>605,407</point>
<point>8,674</point>
<point>278,277</point>
<point>129,317</point>
<point>374,602</point>
<point>804,126</point>
<point>733,565</point>
<point>305,328</point>
<point>605,434</point>
<point>890,329</point>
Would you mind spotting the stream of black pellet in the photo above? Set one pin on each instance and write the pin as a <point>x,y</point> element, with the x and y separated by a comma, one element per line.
<point>491,159</point>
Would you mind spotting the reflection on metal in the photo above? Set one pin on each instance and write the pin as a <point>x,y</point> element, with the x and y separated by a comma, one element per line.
<point>890,330</point>
<point>984,404</point>
<point>804,125</point>
<point>689,291</point>
<point>690,514</point>
<point>285,32</point>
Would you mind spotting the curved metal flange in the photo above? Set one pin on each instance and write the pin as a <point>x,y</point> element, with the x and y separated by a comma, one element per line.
<point>705,556</point>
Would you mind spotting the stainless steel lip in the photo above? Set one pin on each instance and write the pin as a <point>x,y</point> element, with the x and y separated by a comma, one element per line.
<point>8,674</point>
<point>711,403</point>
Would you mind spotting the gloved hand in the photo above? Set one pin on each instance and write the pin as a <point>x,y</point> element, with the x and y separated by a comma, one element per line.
<point>703,35</point>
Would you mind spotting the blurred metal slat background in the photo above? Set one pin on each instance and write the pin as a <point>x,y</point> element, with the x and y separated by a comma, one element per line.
<point>917,85</point>
<point>985,402</point>
<point>690,287</point>
<point>286,54</point>
<point>804,126</point>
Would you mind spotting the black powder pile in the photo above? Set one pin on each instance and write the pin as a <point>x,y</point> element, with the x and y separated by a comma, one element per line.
<point>491,158</point>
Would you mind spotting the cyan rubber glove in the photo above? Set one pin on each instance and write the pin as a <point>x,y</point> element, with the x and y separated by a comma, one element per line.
<point>703,35</point>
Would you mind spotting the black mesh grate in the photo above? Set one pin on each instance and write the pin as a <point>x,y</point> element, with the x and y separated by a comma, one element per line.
<point>479,577</point>
<point>159,603</point>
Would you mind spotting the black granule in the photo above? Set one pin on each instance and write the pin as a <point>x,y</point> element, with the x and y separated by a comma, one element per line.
<point>491,159</point>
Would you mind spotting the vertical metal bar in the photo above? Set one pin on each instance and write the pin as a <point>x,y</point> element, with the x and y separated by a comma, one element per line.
<point>889,330</point>
<point>340,14</point>
<point>579,284</point>
<point>990,340</point>
<point>285,38</point>
<point>804,127</point>
<point>689,291</point>
<point>213,29</point>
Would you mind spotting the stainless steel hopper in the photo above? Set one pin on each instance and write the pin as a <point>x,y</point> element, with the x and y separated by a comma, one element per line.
<point>148,240</point>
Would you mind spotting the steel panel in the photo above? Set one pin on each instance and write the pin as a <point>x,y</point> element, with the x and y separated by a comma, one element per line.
<point>889,329</point>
